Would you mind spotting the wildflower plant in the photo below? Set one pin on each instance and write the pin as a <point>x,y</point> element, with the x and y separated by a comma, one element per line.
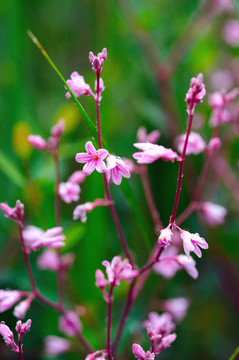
<point>173,247</point>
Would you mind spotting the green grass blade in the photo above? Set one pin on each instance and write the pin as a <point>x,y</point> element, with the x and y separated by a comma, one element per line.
<point>236,352</point>
<point>236,6</point>
<point>10,170</point>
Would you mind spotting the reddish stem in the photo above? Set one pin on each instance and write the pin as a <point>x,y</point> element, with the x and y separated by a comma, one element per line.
<point>20,348</point>
<point>57,183</point>
<point>109,315</point>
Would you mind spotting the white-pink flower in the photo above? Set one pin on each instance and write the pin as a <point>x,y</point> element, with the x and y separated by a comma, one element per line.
<point>231,32</point>
<point>165,237</point>
<point>188,264</point>
<point>116,168</point>
<point>177,307</point>
<point>69,192</point>
<point>35,238</point>
<point>196,92</point>
<point>55,345</point>
<point>191,242</point>
<point>152,137</point>
<point>20,309</point>
<point>195,146</point>
<point>213,213</point>
<point>93,159</point>
<point>78,85</point>
<point>161,324</point>
<point>119,270</point>
<point>8,337</point>
<point>152,152</point>
<point>95,355</point>
<point>77,177</point>
<point>81,211</point>
<point>167,265</point>
<point>8,298</point>
<point>97,61</point>
<point>49,260</point>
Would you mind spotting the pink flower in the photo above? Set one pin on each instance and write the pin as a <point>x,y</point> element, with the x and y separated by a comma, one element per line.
<point>166,342</point>
<point>81,210</point>
<point>195,146</point>
<point>78,86</point>
<point>188,264</point>
<point>167,265</point>
<point>218,101</point>
<point>55,345</point>
<point>36,238</point>
<point>94,355</point>
<point>7,335</point>
<point>37,142</point>
<point>69,323</point>
<point>49,260</point>
<point>15,213</point>
<point>58,129</point>
<point>101,87</point>
<point>8,298</point>
<point>77,177</point>
<point>178,307</point>
<point>151,152</point>
<point>222,79</point>
<point>20,310</point>
<point>93,159</point>
<point>69,192</point>
<point>140,354</point>
<point>165,238</point>
<point>23,328</point>
<point>223,5</point>
<point>191,242</point>
<point>195,93</point>
<point>231,32</point>
<point>160,324</point>
<point>213,213</point>
<point>119,270</point>
<point>100,279</point>
<point>213,145</point>
<point>116,168</point>
<point>152,137</point>
<point>98,61</point>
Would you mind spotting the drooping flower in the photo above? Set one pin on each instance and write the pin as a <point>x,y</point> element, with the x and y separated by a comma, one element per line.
<point>143,137</point>
<point>69,192</point>
<point>191,242</point>
<point>97,61</point>
<point>55,345</point>
<point>188,264</point>
<point>119,270</point>
<point>93,159</point>
<point>69,323</point>
<point>116,168</point>
<point>195,146</point>
<point>152,152</point>
<point>78,86</point>
<point>35,238</point>
<point>8,298</point>
<point>213,213</point>
<point>177,307</point>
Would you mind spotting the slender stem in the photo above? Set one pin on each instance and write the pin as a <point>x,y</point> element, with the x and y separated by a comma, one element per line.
<point>108,195</point>
<point>60,285</point>
<point>20,348</point>
<point>109,314</point>
<point>150,199</point>
<point>57,182</point>
<point>180,170</point>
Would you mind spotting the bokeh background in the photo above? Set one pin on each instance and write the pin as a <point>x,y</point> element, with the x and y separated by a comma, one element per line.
<point>154,48</point>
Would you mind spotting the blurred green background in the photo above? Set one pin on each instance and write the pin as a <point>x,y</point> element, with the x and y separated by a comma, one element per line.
<point>141,37</point>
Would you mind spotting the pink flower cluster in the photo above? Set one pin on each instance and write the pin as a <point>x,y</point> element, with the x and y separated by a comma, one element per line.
<point>219,102</point>
<point>51,260</point>
<point>7,334</point>
<point>98,61</point>
<point>115,169</point>
<point>195,93</point>
<point>53,141</point>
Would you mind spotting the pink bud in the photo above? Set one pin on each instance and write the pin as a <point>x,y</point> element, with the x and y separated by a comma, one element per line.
<point>138,352</point>
<point>8,212</point>
<point>20,309</point>
<point>58,129</point>
<point>49,260</point>
<point>37,141</point>
<point>55,345</point>
<point>23,328</point>
<point>100,279</point>
<point>70,324</point>
<point>77,177</point>
<point>165,237</point>
<point>214,144</point>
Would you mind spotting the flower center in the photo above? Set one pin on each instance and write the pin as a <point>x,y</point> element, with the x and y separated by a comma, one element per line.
<point>96,157</point>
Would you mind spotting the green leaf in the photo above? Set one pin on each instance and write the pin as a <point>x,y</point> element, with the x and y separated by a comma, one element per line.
<point>73,235</point>
<point>236,352</point>
<point>10,170</point>
<point>236,5</point>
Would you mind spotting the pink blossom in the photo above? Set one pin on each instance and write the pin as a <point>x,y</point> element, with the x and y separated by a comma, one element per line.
<point>15,213</point>
<point>55,345</point>
<point>94,355</point>
<point>100,279</point>
<point>195,146</point>
<point>69,323</point>
<point>151,152</point>
<point>101,86</point>
<point>69,192</point>
<point>165,238</point>
<point>8,298</point>
<point>213,145</point>
<point>81,210</point>
<point>78,86</point>
<point>140,354</point>
<point>36,238</point>
<point>195,93</point>
<point>98,61</point>
<point>152,137</point>
<point>58,129</point>
<point>167,265</point>
<point>218,101</point>
<point>231,32</point>
<point>191,242</point>
<point>166,342</point>
<point>131,165</point>
<point>93,159</point>
<point>188,264</point>
<point>119,270</point>
<point>37,142</point>
<point>7,335</point>
<point>23,328</point>
<point>223,5</point>
<point>20,309</point>
<point>49,260</point>
<point>161,324</point>
<point>213,213</point>
<point>177,307</point>
<point>222,79</point>
<point>77,177</point>
<point>116,168</point>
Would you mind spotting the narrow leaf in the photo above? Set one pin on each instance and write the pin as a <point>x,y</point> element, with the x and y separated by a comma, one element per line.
<point>10,170</point>
<point>236,352</point>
